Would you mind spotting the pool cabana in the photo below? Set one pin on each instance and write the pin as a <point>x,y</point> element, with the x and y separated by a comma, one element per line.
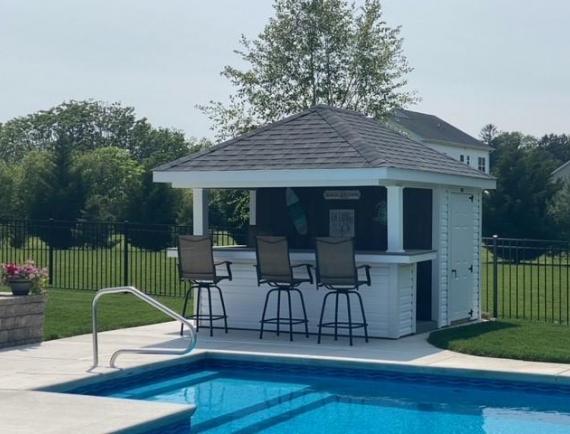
<point>414,213</point>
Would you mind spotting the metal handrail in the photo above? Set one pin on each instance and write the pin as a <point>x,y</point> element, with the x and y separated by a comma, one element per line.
<point>144,297</point>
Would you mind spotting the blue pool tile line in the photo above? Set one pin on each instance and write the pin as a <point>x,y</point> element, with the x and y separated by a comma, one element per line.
<point>107,387</point>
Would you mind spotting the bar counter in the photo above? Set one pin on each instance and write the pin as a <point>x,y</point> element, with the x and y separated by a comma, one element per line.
<point>390,302</point>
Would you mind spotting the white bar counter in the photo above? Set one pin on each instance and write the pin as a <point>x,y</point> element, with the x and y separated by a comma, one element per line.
<point>389,303</point>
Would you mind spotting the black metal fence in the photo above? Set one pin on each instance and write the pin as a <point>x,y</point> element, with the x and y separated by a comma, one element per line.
<point>526,279</point>
<point>94,255</point>
<point>521,278</point>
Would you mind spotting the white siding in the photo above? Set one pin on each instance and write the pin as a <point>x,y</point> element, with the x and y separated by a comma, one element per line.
<point>407,299</point>
<point>477,234</point>
<point>389,303</point>
<point>443,255</point>
<point>456,151</point>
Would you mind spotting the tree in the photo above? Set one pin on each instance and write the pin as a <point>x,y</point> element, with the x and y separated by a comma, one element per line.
<point>153,203</point>
<point>108,178</point>
<point>560,211</point>
<point>488,133</point>
<point>525,189</point>
<point>86,126</point>
<point>313,52</point>
<point>557,147</point>
<point>8,190</point>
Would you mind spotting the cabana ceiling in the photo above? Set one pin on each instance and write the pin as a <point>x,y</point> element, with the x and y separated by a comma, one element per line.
<point>322,146</point>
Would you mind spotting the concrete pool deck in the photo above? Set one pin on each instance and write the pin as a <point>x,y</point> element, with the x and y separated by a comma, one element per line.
<point>29,368</point>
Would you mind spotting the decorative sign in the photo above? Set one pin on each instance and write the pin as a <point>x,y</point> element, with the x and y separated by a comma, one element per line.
<point>341,223</point>
<point>381,213</point>
<point>341,194</point>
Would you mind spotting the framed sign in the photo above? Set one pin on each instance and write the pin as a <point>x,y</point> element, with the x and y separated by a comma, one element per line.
<point>341,194</point>
<point>341,223</point>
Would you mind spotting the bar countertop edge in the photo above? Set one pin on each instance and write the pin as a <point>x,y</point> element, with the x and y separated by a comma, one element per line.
<point>246,255</point>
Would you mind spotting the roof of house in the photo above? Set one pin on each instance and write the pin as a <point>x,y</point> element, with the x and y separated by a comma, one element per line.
<point>560,170</point>
<point>430,128</point>
<point>322,137</point>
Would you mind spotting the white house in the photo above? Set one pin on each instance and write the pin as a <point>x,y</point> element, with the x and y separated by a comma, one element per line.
<point>415,214</point>
<point>442,136</point>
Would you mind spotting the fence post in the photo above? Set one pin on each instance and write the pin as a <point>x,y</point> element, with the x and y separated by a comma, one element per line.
<point>50,252</point>
<point>495,277</point>
<point>125,253</point>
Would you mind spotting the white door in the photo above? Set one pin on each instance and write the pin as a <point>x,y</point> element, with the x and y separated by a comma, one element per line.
<point>460,296</point>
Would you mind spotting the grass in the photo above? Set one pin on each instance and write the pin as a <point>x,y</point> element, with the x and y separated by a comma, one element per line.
<point>537,289</point>
<point>523,340</point>
<point>68,312</point>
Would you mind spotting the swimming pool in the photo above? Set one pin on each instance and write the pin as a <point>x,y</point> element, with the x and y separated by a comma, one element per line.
<point>251,396</point>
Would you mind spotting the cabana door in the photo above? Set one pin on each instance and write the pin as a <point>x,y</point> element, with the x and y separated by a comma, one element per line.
<point>460,278</point>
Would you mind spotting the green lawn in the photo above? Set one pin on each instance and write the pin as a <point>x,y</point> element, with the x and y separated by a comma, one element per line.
<point>69,312</point>
<point>522,340</point>
<point>537,289</point>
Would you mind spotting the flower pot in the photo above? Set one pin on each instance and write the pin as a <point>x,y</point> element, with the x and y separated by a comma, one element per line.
<point>20,287</point>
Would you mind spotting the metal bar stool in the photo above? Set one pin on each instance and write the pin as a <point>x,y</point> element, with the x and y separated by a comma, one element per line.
<point>274,269</point>
<point>196,265</point>
<point>338,273</point>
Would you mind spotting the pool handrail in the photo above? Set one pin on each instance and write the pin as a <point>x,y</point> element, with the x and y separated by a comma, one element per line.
<point>151,301</point>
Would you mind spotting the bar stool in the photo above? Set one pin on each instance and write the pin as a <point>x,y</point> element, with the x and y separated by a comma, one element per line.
<point>196,265</point>
<point>338,273</point>
<point>274,269</point>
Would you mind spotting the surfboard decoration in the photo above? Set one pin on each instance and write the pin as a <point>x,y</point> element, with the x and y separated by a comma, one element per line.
<point>296,211</point>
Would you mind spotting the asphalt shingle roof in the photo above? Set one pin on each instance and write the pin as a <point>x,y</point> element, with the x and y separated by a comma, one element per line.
<point>429,127</point>
<point>322,138</point>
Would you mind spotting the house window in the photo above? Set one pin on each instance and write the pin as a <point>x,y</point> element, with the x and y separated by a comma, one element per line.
<point>468,160</point>
<point>462,158</point>
<point>481,164</point>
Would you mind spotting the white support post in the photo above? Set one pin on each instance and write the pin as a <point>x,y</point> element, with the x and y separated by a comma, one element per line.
<point>395,213</point>
<point>200,211</point>
<point>252,207</point>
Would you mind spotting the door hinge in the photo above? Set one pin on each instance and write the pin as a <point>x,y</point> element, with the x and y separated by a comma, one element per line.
<point>471,268</point>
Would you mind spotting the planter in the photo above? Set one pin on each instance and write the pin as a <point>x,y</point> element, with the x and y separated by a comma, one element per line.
<point>20,287</point>
<point>21,319</point>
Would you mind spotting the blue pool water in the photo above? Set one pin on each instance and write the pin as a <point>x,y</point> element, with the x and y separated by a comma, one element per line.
<point>250,397</point>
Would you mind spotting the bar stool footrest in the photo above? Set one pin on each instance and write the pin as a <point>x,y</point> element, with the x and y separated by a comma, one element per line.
<point>204,317</point>
<point>283,321</point>
<point>343,325</point>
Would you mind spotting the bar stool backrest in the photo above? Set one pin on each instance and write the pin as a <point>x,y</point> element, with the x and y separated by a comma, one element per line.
<point>336,264</point>
<point>196,258</point>
<point>273,263</point>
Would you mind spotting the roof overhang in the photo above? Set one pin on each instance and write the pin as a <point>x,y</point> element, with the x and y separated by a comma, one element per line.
<point>316,178</point>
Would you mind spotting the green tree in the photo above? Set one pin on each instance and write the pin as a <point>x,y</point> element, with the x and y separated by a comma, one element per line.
<point>9,175</point>
<point>557,146</point>
<point>108,178</point>
<point>560,211</point>
<point>525,189</point>
<point>488,133</point>
<point>153,203</point>
<point>313,52</point>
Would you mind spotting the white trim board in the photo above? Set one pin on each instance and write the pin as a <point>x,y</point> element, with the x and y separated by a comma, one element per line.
<point>314,178</point>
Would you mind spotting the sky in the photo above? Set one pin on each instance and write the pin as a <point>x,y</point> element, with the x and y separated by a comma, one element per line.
<point>505,62</point>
